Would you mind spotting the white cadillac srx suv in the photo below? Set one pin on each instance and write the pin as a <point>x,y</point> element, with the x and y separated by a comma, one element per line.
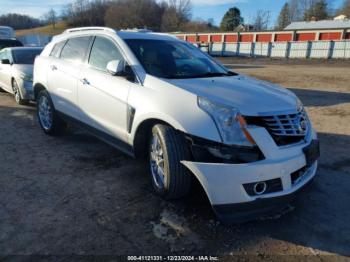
<point>249,143</point>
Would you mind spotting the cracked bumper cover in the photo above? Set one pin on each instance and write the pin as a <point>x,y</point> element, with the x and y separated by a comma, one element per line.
<point>26,89</point>
<point>223,183</point>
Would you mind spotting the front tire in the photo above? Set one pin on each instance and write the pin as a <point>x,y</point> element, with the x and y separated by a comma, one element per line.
<point>48,118</point>
<point>167,149</point>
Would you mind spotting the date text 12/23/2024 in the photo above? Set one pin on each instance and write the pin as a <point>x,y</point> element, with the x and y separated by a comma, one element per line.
<point>172,258</point>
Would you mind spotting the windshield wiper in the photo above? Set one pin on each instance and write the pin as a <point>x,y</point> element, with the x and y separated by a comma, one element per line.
<point>218,74</point>
<point>209,74</point>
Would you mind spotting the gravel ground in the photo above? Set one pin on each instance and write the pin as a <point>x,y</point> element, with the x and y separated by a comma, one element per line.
<point>77,195</point>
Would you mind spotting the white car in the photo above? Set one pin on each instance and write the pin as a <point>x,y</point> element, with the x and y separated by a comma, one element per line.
<point>249,143</point>
<point>16,72</point>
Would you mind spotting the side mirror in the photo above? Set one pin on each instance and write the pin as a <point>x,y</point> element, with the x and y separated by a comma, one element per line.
<point>5,62</point>
<point>116,67</point>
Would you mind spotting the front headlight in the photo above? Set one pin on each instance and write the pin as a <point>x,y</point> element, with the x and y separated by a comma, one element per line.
<point>300,106</point>
<point>231,124</point>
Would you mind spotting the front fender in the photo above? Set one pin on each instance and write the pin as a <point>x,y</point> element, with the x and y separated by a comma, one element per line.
<point>159,100</point>
<point>203,126</point>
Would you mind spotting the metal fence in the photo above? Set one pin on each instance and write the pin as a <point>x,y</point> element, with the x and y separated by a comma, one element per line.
<point>317,49</point>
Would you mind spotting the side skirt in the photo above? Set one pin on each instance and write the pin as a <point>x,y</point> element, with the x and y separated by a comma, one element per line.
<point>107,138</point>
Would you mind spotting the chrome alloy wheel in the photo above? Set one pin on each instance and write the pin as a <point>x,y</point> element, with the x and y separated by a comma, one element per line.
<point>45,113</point>
<point>157,162</point>
<point>17,93</point>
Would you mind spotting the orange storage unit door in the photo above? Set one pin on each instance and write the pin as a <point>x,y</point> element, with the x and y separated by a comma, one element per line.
<point>204,38</point>
<point>247,38</point>
<point>306,36</point>
<point>264,38</point>
<point>191,38</point>
<point>216,38</point>
<point>181,37</point>
<point>283,37</point>
<point>330,36</point>
<point>231,38</point>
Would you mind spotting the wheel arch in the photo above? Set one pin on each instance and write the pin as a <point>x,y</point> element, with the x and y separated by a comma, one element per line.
<point>37,88</point>
<point>13,79</point>
<point>143,130</point>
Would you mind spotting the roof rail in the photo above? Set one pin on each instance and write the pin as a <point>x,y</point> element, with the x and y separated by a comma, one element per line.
<point>137,30</point>
<point>79,29</point>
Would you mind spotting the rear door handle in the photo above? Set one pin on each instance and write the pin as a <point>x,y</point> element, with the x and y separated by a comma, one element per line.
<point>53,68</point>
<point>85,81</point>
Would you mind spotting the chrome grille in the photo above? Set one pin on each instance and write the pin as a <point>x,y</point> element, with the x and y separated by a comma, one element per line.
<point>287,125</point>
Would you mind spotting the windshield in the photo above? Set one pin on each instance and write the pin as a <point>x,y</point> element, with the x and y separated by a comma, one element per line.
<point>25,56</point>
<point>174,59</point>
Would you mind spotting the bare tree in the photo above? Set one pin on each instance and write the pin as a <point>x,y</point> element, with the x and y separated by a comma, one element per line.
<point>298,8</point>
<point>165,15</point>
<point>177,13</point>
<point>262,20</point>
<point>51,18</point>
<point>18,21</point>
<point>345,9</point>
<point>318,10</point>
<point>134,14</point>
<point>86,13</point>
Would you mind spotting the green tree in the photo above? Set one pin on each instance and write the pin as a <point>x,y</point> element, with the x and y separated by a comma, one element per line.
<point>284,18</point>
<point>319,11</point>
<point>231,19</point>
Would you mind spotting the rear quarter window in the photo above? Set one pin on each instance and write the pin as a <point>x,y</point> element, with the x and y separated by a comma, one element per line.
<point>56,51</point>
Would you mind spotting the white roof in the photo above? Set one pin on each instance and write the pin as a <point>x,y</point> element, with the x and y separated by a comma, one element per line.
<point>124,34</point>
<point>137,35</point>
<point>324,24</point>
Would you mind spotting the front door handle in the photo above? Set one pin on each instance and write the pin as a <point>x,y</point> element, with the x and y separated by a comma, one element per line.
<point>85,81</point>
<point>53,68</point>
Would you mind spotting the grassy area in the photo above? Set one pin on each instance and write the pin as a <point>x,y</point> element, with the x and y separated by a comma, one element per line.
<point>45,30</point>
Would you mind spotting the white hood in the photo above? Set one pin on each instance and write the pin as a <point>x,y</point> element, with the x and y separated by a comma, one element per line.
<point>251,96</point>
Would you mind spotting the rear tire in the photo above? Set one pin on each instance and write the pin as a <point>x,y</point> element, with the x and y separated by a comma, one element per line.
<point>48,118</point>
<point>167,148</point>
<point>17,93</point>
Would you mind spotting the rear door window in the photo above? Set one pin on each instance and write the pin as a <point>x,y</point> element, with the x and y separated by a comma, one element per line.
<point>75,49</point>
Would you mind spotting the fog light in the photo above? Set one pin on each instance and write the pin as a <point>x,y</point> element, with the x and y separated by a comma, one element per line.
<point>260,188</point>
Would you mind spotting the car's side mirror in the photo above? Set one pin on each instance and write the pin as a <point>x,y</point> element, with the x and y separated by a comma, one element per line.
<point>116,67</point>
<point>5,62</point>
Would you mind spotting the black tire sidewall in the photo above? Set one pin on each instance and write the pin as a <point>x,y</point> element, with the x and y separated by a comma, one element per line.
<point>159,191</point>
<point>178,178</point>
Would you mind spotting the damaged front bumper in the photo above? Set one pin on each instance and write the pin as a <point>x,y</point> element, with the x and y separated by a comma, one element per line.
<point>26,89</point>
<point>231,187</point>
